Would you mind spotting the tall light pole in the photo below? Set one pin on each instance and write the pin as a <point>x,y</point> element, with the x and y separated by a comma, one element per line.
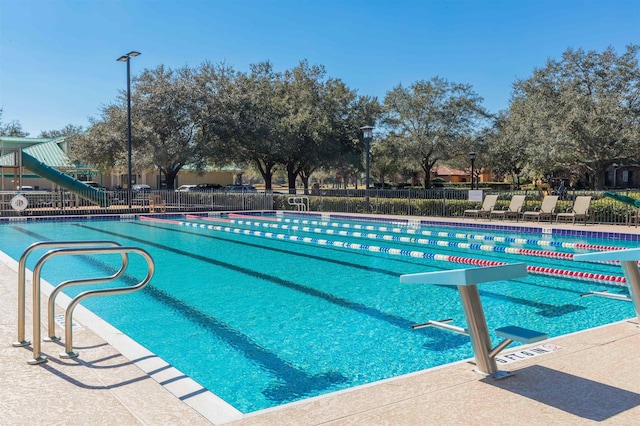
<point>472,157</point>
<point>367,133</point>
<point>126,58</point>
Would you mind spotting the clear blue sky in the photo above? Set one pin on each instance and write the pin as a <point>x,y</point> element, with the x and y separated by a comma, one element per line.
<point>58,57</point>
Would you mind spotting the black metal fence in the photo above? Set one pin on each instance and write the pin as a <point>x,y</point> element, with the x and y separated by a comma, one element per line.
<point>46,203</point>
<point>415,202</point>
<point>453,203</point>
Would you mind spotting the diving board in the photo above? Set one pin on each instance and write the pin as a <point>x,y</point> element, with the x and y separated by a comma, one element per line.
<point>629,261</point>
<point>466,280</point>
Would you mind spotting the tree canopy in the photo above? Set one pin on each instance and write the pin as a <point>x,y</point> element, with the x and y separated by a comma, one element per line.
<point>66,131</point>
<point>580,113</point>
<point>13,128</point>
<point>432,120</point>
<point>574,117</point>
<point>166,126</point>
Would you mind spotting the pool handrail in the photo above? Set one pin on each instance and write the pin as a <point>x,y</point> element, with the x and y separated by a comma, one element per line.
<point>22,269</point>
<point>52,297</point>
<point>37,354</point>
<point>300,203</point>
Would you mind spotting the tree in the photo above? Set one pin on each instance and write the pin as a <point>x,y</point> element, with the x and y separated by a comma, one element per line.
<point>304,122</point>
<point>218,106</point>
<point>66,131</point>
<point>508,153</point>
<point>166,126</point>
<point>582,112</point>
<point>103,145</point>
<point>432,119</point>
<point>13,128</point>
<point>385,159</point>
<point>165,108</point>
<point>347,113</point>
<point>300,120</point>
<point>259,110</point>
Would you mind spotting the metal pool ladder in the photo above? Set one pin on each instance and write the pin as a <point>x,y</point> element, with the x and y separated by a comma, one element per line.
<point>67,248</point>
<point>300,203</point>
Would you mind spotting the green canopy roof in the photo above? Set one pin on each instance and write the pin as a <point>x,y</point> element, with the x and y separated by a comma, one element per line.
<point>46,150</point>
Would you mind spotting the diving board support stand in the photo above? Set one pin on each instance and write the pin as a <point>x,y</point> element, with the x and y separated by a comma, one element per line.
<point>629,262</point>
<point>466,280</point>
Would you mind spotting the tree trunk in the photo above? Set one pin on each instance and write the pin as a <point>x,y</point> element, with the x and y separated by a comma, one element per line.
<point>305,174</point>
<point>266,171</point>
<point>305,183</point>
<point>170,177</point>
<point>291,178</point>
<point>427,176</point>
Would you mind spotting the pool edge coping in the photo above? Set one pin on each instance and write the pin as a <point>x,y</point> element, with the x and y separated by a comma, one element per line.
<point>184,388</point>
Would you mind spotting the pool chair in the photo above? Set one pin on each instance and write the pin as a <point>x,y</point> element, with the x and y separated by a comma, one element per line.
<point>545,211</point>
<point>157,203</point>
<point>513,210</point>
<point>487,205</point>
<point>579,211</point>
<point>634,218</point>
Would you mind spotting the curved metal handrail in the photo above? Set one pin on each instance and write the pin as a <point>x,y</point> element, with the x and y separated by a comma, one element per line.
<point>301,203</point>
<point>37,353</point>
<point>22,267</point>
<point>51,328</point>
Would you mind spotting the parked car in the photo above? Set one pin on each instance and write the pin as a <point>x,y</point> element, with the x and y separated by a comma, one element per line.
<point>141,187</point>
<point>240,188</point>
<point>186,188</point>
<point>94,185</point>
<point>207,187</point>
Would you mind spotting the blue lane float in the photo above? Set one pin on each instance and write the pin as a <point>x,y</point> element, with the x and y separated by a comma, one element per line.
<point>585,276</point>
<point>454,235</point>
<point>398,238</point>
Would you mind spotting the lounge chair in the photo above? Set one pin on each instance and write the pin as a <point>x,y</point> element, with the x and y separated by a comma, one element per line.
<point>546,210</point>
<point>513,210</point>
<point>634,218</point>
<point>487,205</point>
<point>157,203</point>
<point>580,210</point>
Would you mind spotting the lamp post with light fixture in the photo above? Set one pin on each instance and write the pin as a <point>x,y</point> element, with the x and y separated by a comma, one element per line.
<point>126,58</point>
<point>472,157</point>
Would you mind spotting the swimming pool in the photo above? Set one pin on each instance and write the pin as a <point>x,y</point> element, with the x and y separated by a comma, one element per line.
<point>262,313</point>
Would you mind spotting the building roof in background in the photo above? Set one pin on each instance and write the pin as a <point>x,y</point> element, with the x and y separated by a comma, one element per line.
<point>447,171</point>
<point>12,142</point>
<point>46,150</point>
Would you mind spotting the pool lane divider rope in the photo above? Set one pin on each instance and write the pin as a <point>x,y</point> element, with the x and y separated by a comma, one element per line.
<point>538,270</point>
<point>403,239</point>
<point>454,235</point>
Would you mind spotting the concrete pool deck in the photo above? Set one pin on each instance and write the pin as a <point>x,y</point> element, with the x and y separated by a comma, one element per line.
<point>593,377</point>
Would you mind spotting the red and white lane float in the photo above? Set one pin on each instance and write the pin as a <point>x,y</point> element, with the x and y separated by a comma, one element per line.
<point>537,270</point>
<point>454,235</point>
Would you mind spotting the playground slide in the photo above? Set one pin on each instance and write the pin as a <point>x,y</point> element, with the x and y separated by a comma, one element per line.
<point>65,181</point>
<point>623,199</point>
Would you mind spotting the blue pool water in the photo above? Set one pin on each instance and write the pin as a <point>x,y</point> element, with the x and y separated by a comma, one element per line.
<point>261,319</point>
